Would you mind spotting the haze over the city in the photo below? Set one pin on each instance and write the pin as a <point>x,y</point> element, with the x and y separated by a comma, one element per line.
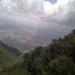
<point>36,22</point>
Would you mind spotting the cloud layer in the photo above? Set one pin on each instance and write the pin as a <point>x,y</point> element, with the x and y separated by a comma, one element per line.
<point>39,12</point>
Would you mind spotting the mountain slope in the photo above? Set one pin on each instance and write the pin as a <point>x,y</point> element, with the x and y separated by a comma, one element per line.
<point>8,55</point>
<point>56,59</point>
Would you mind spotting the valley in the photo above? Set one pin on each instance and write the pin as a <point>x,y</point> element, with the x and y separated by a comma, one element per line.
<point>27,38</point>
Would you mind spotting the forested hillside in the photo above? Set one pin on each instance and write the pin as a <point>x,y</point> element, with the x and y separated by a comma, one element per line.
<point>56,59</point>
<point>8,56</point>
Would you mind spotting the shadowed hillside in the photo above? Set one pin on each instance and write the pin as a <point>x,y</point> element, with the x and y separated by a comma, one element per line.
<point>8,56</point>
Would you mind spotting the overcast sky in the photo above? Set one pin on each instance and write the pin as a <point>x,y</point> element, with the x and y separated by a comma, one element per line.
<point>39,12</point>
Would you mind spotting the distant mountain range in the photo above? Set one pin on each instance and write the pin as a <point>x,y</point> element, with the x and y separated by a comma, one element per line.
<point>26,37</point>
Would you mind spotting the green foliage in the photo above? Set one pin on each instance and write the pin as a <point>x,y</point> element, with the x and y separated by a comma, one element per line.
<point>8,56</point>
<point>62,66</point>
<point>56,59</point>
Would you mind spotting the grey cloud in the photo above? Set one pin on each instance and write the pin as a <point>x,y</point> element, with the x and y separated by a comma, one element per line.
<point>33,11</point>
<point>65,15</point>
<point>29,6</point>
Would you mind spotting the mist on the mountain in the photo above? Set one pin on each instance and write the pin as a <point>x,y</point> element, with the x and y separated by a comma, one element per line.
<point>27,37</point>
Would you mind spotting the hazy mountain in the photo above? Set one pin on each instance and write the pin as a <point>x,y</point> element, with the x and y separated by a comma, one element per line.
<point>26,37</point>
